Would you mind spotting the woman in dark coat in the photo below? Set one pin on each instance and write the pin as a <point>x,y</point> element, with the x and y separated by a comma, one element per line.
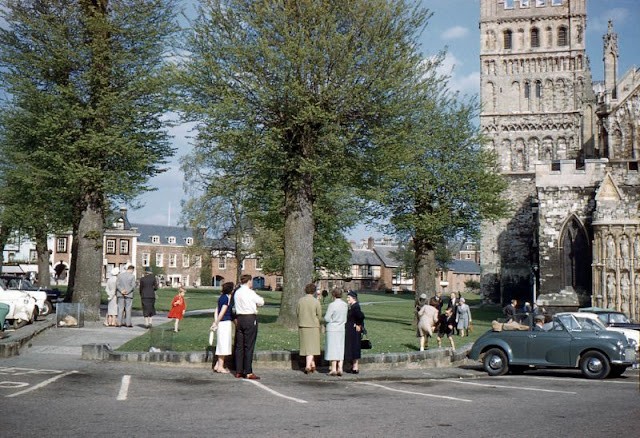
<point>353,329</point>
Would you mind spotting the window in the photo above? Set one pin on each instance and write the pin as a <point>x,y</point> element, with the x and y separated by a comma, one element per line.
<point>258,264</point>
<point>173,260</point>
<point>111,246</point>
<point>242,265</point>
<point>222,263</point>
<point>535,37</point>
<point>145,259</point>
<point>185,260</point>
<point>189,240</point>
<point>556,2</point>
<point>524,3</point>
<point>246,240</point>
<point>562,36</point>
<point>171,240</point>
<point>540,3</point>
<point>159,260</point>
<point>279,282</point>
<point>507,39</point>
<point>527,90</point>
<point>198,261</point>
<point>508,4</point>
<point>124,246</point>
<point>61,244</point>
<point>33,254</point>
<point>155,239</point>
<point>538,89</point>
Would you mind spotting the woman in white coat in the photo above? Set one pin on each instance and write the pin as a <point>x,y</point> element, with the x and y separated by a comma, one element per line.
<point>336,317</point>
<point>112,300</point>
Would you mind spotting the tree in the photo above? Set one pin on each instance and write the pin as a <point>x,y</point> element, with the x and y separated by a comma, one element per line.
<point>442,182</point>
<point>93,72</point>
<point>298,92</point>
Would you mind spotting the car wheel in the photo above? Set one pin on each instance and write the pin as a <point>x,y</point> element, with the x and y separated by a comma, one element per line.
<point>594,365</point>
<point>495,362</point>
<point>34,315</point>
<point>617,370</point>
<point>47,308</point>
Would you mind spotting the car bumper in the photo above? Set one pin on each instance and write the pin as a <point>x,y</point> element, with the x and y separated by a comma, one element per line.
<point>628,357</point>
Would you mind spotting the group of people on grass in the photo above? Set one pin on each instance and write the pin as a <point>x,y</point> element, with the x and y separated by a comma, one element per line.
<point>343,323</point>
<point>236,312</point>
<point>455,320</point>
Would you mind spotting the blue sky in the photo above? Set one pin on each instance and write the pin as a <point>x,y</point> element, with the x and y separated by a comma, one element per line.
<point>454,25</point>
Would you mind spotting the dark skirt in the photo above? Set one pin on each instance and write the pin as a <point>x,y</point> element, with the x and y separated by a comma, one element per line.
<point>351,343</point>
<point>148,306</point>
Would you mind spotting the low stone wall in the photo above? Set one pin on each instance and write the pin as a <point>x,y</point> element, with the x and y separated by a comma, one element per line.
<point>437,357</point>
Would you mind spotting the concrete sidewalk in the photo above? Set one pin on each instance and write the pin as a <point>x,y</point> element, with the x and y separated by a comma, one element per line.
<point>97,342</point>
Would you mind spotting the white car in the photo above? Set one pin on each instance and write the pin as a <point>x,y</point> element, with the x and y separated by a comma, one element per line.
<point>22,307</point>
<point>592,319</point>
<point>40,296</point>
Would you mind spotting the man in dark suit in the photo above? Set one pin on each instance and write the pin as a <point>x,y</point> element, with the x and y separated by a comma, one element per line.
<point>453,305</point>
<point>148,287</point>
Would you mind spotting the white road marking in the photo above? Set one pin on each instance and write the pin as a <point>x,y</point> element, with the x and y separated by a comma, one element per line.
<point>490,385</point>
<point>124,387</point>
<point>414,393</point>
<point>41,384</point>
<point>586,381</point>
<point>13,385</point>
<point>260,385</point>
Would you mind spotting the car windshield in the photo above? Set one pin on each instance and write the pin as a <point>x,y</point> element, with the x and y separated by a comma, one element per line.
<point>618,318</point>
<point>591,324</point>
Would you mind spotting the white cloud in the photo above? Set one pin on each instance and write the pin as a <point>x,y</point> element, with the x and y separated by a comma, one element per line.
<point>468,83</point>
<point>455,32</point>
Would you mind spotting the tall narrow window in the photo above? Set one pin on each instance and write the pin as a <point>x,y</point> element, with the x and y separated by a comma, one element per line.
<point>535,37</point>
<point>538,89</point>
<point>508,35</point>
<point>562,36</point>
<point>527,90</point>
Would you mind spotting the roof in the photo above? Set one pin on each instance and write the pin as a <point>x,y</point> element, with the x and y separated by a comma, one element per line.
<point>387,255</point>
<point>164,232</point>
<point>464,267</point>
<point>365,257</point>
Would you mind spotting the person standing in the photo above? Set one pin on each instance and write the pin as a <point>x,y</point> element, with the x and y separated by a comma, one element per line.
<point>453,305</point>
<point>510,311</point>
<point>246,308</point>
<point>463,317</point>
<point>427,322</point>
<point>112,300</point>
<point>148,287</point>
<point>353,332</point>
<point>336,318</point>
<point>125,287</point>
<point>178,307</point>
<point>309,313</point>
<point>445,327</point>
<point>222,323</point>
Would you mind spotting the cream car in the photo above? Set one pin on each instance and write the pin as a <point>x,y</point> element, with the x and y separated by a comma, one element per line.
<point>633,336</point>
<point>22,307</point>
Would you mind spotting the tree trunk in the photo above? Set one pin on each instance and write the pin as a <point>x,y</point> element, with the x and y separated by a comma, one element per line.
<point>298,253</point>
<point>71,275</point>
<point>42,250</point>
<point>425,270</point>
<point>87,279</point>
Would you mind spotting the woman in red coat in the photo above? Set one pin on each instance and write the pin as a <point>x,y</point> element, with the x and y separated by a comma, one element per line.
<point>178,307</point>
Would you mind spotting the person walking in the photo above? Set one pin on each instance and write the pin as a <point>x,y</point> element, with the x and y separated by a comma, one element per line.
<point>178,307</point>
<point>463,317</point>
<point>222,324</point>
<point>336,318</point>
<point>246,303</point>
<point>453,305</point>
<point>353,332</point>
<point>125,287</point>
<point>148,288</point>
<point>445,327</point>
<point>428,320</point>
<point>112,300</point>
<point>309,313</point>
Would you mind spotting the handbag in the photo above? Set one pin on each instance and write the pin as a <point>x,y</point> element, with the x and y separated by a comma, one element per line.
<point>365,343</point>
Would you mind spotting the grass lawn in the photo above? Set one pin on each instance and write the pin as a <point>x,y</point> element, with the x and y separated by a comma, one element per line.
<point>389,320</point>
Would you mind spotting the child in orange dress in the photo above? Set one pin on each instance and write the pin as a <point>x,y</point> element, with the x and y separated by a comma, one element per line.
<point>178,307</point>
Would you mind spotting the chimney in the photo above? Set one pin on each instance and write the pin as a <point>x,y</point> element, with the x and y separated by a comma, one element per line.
<point>370,243</point>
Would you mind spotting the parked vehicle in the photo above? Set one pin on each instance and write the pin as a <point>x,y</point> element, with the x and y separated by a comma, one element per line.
<point>22,307</point>
<point>45,298</point>
<point>612,318</point>
<point>564,343</point>
<point>633,336</point>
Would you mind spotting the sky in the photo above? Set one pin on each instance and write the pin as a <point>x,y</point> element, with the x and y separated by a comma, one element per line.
<point>454,26</point>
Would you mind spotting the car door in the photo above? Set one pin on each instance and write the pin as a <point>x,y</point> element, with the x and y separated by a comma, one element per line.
<point>549,348</point>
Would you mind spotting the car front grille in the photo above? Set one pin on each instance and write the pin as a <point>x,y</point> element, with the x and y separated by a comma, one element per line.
<point>630,354</point>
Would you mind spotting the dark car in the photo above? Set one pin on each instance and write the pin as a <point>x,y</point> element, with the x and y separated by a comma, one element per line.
<point>561,343</point>
<point>612,318</point>
<point>16,282</point>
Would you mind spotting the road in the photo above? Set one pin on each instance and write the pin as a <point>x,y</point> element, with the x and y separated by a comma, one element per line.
<point>53,394</point>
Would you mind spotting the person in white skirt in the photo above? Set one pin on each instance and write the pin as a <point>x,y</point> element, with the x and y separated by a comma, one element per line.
<point>222,323</point>
<point>335,318</point>
<point>112,300</point>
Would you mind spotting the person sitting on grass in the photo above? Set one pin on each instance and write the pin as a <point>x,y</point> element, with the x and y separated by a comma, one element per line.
<point>178,307</point>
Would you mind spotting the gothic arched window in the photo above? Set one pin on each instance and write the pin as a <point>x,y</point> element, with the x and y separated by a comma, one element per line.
<point>535,37</point>
<point>562,36</point>
<point>508,39</point>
